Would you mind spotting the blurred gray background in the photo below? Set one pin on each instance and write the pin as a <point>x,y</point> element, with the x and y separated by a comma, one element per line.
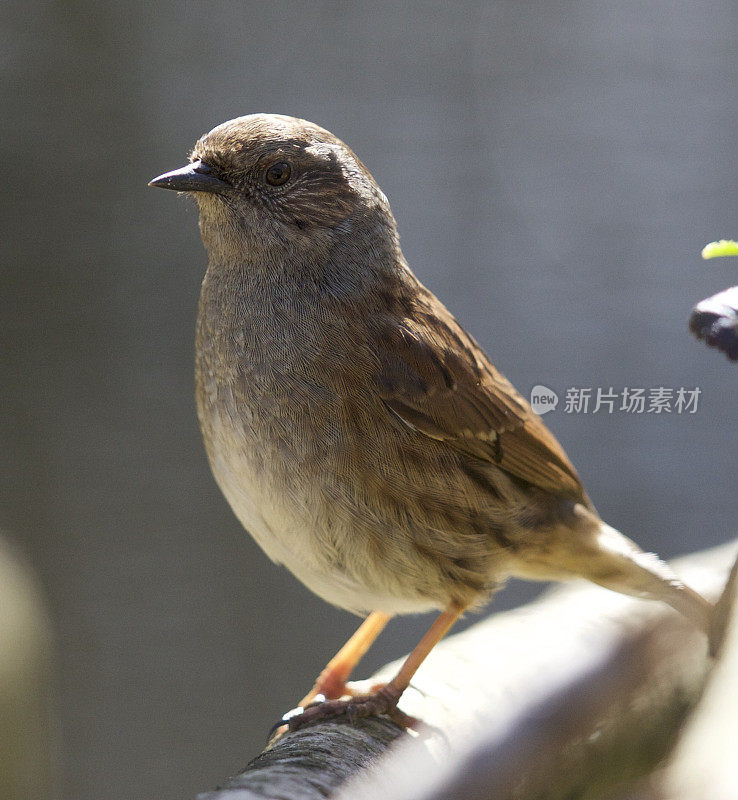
<point>555,168</point>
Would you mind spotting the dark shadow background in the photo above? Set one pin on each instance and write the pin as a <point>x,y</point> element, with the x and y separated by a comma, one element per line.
<point>555,168</point>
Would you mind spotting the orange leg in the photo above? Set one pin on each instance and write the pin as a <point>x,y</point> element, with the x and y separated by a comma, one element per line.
<point>436,632</point>
<point>332,680</point>
<point>383,701</point>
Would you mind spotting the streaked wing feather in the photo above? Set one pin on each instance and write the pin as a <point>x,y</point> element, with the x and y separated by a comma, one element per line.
<point>438,380</point>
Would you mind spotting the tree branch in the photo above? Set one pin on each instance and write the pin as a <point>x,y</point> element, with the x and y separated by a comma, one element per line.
<point>703,764</point>
<point>580,692</point>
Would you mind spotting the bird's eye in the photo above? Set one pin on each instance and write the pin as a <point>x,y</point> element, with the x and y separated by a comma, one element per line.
<point>278,174</point>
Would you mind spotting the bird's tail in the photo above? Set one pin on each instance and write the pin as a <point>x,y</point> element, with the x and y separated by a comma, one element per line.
<point>594,550</point>
<point>624,567</point>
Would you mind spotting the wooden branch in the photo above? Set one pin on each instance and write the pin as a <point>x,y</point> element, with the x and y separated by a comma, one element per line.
<point>582,691</point>
<point>310,763</point>
<point>703,764</point>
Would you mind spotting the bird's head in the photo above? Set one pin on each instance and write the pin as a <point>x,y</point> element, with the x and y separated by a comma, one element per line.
<point>271,181</point>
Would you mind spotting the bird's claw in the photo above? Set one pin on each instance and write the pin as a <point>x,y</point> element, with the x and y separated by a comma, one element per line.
<point>384,701</point>
<point>287,716</point>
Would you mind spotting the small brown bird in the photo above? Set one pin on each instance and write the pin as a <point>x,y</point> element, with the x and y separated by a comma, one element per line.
<point>356,429</point>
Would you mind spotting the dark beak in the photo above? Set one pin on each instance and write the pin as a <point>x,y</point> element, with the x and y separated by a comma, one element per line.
<point>195,177</point>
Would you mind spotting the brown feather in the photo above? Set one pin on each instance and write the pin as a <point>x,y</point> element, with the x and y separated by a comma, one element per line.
<point>438,380</point>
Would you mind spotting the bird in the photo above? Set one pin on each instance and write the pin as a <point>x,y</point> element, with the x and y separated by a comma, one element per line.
<point>359,433</point>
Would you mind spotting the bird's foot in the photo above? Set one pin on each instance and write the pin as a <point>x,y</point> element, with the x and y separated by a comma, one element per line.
<point>382,700</point>
<point>281,727</point>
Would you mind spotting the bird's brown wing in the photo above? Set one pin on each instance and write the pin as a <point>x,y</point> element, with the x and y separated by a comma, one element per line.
<point>438,380</point>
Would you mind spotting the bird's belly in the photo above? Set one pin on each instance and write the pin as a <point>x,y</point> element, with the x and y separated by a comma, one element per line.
<point>287,541</point>
<point>284,515</point>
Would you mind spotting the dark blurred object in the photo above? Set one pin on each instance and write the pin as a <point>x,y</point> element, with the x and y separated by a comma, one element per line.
<point>25,713</point>
<point>716,321</point>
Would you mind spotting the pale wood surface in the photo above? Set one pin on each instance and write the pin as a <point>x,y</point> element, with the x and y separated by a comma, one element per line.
<point>702,766</point>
